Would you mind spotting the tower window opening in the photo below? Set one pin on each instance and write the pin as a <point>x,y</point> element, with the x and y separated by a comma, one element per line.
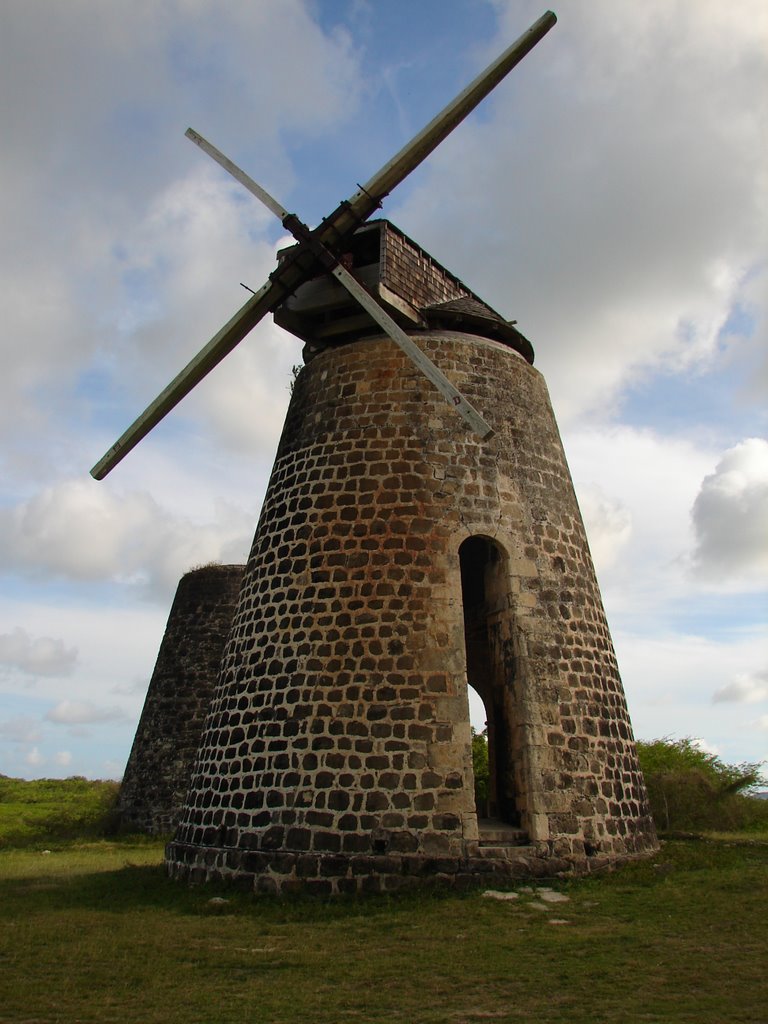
<point>489,641</point>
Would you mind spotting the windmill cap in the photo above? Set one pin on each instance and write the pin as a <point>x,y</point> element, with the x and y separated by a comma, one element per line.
<point>470,313</point>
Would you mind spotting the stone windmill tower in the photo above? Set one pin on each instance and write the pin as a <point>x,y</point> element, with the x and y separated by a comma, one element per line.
<point>399,558</point>
<point>180,691</point>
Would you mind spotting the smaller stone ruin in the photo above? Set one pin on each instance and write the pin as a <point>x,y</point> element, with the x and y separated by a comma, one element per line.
<point>162,757</point>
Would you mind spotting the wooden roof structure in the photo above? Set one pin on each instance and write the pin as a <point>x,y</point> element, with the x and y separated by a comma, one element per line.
<point>417,292</point>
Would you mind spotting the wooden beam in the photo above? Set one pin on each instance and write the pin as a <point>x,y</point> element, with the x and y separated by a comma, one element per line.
<point>342,222</point>
<point>343,325</point>
<point>311,243</point>
<point>368,197</point>
<point>451,394</point>
<point>237,173</point>
<point>288,275</point>
<point>324,293</point>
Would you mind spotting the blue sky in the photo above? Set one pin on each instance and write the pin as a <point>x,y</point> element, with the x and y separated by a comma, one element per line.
<point>610,196</point>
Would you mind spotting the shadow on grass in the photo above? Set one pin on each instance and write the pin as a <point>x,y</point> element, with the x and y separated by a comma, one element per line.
<point>136,887</point>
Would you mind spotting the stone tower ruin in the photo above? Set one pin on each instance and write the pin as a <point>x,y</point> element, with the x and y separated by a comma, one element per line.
<point>158,772</point>
<point>397,560</point>
<point>407,549</point>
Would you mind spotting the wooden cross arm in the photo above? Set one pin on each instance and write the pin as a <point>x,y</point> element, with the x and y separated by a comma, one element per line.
<point>311,245</point>
<point>283,280</point>
<point>368,197</point>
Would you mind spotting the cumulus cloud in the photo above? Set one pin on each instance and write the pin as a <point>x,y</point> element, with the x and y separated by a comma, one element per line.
<point>81,531</point>
<point>34,758</point>
<point>730,517</point>
<point>705,746</point>
<point>36,656</point>
<point>608,524</point>
<point>180,267</point>
<point>635,489</point>
<point>745,688</point>
<point>123,209</point>
<point>635,210</point>
<point>137,687</point>
<point>74,712</point>
<point>62,758</point>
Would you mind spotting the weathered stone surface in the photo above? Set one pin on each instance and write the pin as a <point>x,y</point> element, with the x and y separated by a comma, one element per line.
<point>158,772</point>
<point>342,706</point>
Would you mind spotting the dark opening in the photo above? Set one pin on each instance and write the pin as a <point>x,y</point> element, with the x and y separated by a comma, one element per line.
<point>491,666</point>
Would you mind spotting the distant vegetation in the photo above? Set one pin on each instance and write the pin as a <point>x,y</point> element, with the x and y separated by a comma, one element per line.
<point>481,770</point>
<point>46,810</point>
<point>691,790</point>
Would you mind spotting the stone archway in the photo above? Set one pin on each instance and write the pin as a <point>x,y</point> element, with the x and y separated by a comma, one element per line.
<point>491,667</point>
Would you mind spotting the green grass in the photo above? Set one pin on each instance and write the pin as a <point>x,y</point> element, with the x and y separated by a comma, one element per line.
<point>92,931</point>
<point>95,932</point>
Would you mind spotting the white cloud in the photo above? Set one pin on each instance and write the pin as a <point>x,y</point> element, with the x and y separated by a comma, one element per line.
<point>730,517</point>
<point>83,531</point>
<point>63,758</point>
<point>608,523</point>
<point>180,267</point>
<point>119,634</point>
<point>73,712</point>
<point>604,203</point>
<point>124,225</point>
<point>137,687</point>
<point>748,689</point>
<point>706,747</point>
<point>635,488</point>
<point>118,637</point>
<point>669,679</point>
<point>36,656</point>
<point>34,758</point>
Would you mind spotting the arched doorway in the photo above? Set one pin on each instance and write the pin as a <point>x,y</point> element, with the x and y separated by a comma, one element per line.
<point>488,637</point>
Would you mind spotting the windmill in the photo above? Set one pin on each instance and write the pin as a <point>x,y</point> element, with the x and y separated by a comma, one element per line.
<point>404,552</point>
<point>160,763</point>
<point>323,247</point>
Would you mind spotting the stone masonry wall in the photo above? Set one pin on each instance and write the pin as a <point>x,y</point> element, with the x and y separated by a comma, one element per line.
<point>168,735</point>
<point>337,752</point>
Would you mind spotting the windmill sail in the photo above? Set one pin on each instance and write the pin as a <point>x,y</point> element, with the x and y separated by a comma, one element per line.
<point>230,335</point>
<point>332,232</point>
<point>355,288</point>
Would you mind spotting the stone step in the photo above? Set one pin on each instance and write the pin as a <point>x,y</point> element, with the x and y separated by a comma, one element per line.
<point>520,839</point>
<point>499,834</point>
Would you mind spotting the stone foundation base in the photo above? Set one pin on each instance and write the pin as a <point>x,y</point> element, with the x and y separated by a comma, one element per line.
<point>334,874</point>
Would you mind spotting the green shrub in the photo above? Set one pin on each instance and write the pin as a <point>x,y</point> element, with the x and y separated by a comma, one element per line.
<point>481,770</point>
<point>690,789</point>
<point>46,810</point>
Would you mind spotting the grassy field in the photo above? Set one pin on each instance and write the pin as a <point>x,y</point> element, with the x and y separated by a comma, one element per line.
<point>94,932</point>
